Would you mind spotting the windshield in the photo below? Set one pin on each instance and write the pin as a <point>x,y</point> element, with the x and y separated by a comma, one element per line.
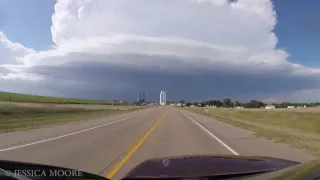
<point>104,86</point>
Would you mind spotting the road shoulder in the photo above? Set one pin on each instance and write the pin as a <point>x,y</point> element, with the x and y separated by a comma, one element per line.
<point>247,142</point>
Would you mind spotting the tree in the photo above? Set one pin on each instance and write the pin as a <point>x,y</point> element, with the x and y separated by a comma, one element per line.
<point>188,104</point>
<point>182,101</point>
<point>254,104</point>
<point>227,103</point>
<point>216,103</point>
<point>219,103</point>
<point>211,103</point>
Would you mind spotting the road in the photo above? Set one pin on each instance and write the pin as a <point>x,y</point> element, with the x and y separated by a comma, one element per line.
<point>111,146</point>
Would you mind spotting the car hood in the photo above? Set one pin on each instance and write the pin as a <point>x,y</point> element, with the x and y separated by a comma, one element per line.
<point>206,165</point>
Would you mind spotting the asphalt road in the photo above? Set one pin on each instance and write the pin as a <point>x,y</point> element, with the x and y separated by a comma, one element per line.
<point>112,146</point>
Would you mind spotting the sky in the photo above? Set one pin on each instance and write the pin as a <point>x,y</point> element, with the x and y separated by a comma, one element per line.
<point>192,49</point>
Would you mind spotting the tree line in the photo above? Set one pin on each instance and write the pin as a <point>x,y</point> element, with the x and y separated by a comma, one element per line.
<point>229,103</point>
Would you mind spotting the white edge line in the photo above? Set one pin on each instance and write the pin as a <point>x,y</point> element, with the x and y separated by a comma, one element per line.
<point>70,134</point>
<point>215,137</point>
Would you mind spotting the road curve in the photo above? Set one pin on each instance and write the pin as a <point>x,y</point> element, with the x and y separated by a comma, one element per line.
<point>112,146</point>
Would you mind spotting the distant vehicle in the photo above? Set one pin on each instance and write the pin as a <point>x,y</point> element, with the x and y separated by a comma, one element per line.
<point>181,167</point>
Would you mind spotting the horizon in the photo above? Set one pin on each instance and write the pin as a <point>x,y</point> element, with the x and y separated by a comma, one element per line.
<point>153,101</point>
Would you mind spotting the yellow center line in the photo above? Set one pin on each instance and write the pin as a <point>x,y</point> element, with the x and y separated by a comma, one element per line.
<point>134,149</point>
<point>138,139</point>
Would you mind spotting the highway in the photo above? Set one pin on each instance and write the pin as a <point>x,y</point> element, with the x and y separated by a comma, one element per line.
<point>111,146</point>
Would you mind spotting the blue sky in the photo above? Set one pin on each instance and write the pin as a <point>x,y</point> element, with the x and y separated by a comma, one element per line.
<point>298,27</point>
<point>27,22</point>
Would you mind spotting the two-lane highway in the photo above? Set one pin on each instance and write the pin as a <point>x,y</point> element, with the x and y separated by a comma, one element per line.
<point>112,146</point>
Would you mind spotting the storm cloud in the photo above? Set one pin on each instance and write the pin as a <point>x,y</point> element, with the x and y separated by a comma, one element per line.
<point>114,49</point>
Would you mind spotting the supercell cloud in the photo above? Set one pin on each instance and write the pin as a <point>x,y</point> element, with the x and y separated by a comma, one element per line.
<point>113,49</point>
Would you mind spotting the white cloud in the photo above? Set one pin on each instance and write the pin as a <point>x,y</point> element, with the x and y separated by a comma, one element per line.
<point>212,37</point>
<point>11,52</point>
<point>22,76</point>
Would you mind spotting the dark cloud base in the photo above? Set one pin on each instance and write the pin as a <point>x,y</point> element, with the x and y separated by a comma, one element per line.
<point>112,81</point>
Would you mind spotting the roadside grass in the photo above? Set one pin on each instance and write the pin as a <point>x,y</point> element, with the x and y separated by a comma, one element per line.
<point>299,129</point>
<point>14,118</point>
<point>15,97</point>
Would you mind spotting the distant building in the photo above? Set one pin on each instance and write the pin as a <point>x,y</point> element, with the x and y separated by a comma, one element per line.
<point>141,101</point>
<point>270,107</point>
<point>163,98</point>
<point>290,107</point>
<point>142,98</point>
<point>239,107</point>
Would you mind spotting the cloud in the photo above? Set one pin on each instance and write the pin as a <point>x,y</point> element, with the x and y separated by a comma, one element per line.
<point>309,95</point>
<point>190,48</point>
<point>12,52</point>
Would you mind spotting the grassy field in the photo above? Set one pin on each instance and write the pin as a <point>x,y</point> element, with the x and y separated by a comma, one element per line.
<point>14,97</point>
<point>300,128</point>
<point>14,117</point>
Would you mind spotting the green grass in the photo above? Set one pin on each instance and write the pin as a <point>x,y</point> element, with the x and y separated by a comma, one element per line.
<point>299,129</point>
<point>16,118</point>
<point>14,97</point>
<point>304,121</point>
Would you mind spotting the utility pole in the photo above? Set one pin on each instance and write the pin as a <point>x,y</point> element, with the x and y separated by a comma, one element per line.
<point>203,102</point>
